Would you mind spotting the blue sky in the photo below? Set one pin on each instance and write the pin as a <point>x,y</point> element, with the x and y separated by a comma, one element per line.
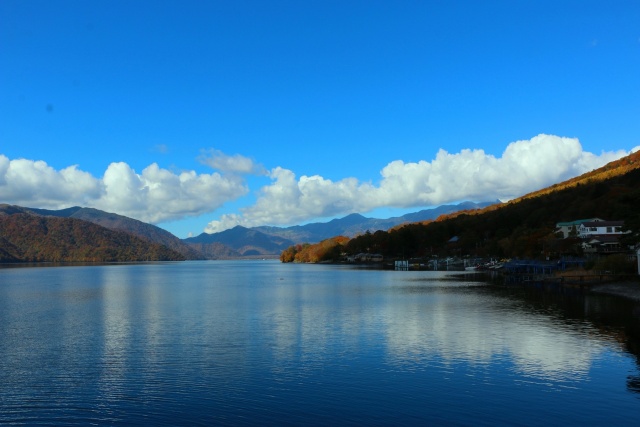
<point>201,115</point>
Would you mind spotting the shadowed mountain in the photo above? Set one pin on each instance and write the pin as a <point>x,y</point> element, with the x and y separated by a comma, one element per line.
<point>29,237</point>
<point>245,241</point>
<point>122,223</point>
<point>214,250</point>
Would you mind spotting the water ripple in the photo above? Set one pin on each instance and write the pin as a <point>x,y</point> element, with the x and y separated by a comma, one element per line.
<point>195,344</point>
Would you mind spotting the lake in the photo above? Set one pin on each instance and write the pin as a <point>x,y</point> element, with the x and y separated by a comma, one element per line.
<point>265,343</point>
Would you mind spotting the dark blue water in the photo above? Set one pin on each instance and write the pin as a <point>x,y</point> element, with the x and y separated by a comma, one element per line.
<point>264,343</point>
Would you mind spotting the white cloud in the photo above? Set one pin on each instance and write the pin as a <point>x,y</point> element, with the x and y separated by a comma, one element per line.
<point>525,166</point>
<point>217,160</point>
<point>25,181</point>
<point>158,195</point>
<point>155,195</point>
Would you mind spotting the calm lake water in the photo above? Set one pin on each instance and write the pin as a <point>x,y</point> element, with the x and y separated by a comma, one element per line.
<point>265,343</point>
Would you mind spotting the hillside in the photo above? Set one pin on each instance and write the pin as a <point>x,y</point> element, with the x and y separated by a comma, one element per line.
<point>117,222</point>
<point>214,250</point>
<point>240,241</point>
<point>599,178</point>
<point>27,237</point>
<point>244,241</point>
<point>524,227</point>
<point>235,243</point>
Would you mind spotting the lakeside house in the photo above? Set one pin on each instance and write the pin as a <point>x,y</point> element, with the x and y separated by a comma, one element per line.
<point>570,228</point>
<point>598,235</point>
<point>602,236</point>
<point>600,228</point>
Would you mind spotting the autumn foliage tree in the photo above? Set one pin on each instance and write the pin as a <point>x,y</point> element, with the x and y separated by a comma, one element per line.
<point>289,254</point>
<point>328,250</point>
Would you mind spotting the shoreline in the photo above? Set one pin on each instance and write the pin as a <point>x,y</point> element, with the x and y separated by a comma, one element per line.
<point>629,290</point>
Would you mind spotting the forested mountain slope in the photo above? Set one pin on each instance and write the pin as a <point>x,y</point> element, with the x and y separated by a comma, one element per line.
<point>117,222</point>
<point>523,227</point>
<point>26,237</point>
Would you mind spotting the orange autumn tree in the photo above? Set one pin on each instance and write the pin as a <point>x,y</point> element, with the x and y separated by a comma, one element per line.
<point>289,254</point>
<point>327,250</point>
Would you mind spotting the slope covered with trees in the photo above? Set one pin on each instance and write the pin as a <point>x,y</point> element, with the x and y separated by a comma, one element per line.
<point>521,228</point>
<point>326,250</point>
<point>28,237</point>
<point>117,222</point>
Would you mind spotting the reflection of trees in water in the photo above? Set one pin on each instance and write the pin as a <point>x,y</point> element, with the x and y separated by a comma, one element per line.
<point>633,346</point>
<point>633,383</point>
<point>614,317</point>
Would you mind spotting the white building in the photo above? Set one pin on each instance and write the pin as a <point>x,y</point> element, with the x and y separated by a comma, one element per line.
<point>566,228</point>
<point>600,228</point>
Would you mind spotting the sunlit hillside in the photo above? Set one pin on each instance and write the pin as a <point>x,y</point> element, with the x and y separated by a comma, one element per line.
<point>523,227</point>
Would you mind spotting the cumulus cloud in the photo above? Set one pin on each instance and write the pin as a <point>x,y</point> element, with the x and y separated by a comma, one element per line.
<point>155,195</point>
<point>26,181</point>
<point>524,166</point>
<point>158,195</point>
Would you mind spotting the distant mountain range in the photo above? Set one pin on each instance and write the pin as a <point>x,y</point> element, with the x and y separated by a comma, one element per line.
<point>270,241</point>
<point>354,224</point>
<point>245,242</point>
<point>32,234</point>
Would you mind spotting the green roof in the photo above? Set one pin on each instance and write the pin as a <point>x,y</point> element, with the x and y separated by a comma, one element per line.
<point>576,222</point>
